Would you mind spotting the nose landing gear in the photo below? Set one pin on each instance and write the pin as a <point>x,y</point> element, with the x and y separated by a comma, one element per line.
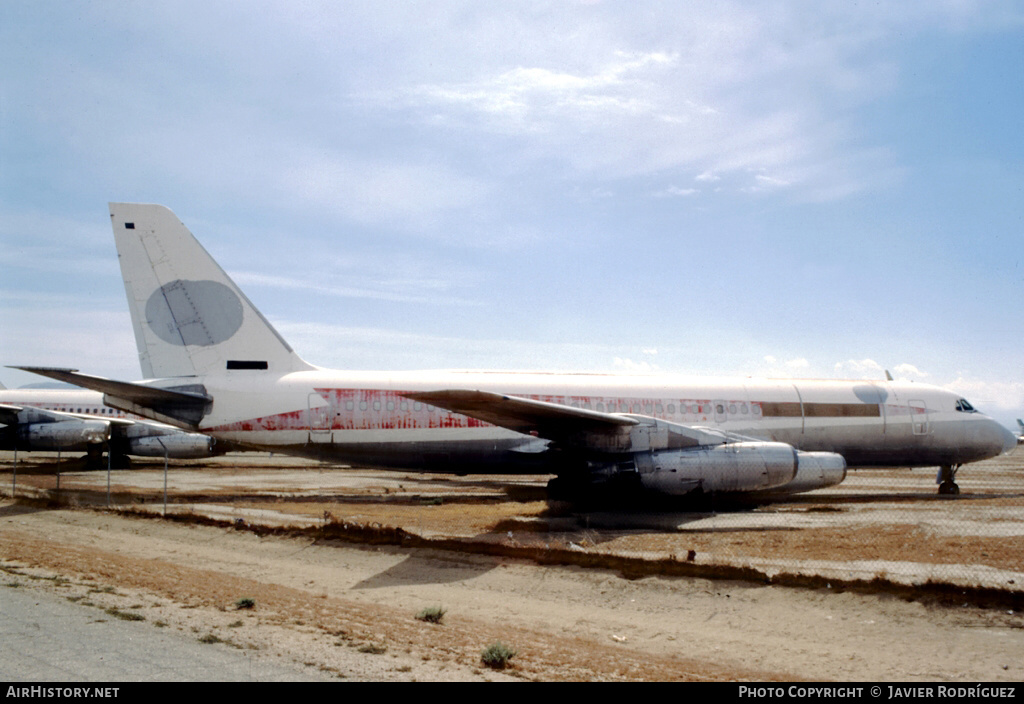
<point>946,479</point>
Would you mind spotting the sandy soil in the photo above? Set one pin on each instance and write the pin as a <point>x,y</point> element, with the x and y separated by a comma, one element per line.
<point>349,610</point>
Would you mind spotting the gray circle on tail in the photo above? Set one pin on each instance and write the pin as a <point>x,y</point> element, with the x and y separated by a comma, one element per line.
<point>200,313</point>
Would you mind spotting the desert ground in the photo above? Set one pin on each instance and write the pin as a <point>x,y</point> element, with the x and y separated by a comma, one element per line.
<point>876,579</point>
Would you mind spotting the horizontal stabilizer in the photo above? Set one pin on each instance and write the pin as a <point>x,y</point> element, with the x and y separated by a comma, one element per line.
<point>179,407</point>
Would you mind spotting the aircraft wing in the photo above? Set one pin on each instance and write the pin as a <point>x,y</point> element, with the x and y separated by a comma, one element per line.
<point>177,407</point>
<point>522,414</point>
<point>9,415</point>
<point>568,425</point>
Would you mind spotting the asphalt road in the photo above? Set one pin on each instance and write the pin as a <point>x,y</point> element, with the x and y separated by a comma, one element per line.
<point>45,638</point>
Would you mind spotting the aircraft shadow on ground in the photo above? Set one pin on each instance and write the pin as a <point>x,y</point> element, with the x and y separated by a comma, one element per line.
<point>415,570</point>
<point>19,509</point>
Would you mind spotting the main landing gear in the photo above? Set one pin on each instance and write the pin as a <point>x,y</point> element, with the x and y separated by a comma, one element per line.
<point>946,479</point>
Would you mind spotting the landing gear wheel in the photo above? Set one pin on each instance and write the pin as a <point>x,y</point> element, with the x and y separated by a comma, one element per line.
<point>119,461</point>
<point>94,459</point>
<point>947,480</point>
<point>560,489</point>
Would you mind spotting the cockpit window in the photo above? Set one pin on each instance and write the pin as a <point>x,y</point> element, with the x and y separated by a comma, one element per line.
<point>963,405</point>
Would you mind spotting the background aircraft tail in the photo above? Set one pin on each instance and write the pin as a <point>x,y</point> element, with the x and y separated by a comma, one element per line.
<point>189,317</point>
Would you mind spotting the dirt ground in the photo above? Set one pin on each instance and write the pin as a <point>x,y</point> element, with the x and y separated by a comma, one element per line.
<point>349,609</point>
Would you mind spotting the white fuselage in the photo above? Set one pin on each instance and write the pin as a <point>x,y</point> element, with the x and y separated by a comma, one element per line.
<point>365,418</point>
<point>76,401</point>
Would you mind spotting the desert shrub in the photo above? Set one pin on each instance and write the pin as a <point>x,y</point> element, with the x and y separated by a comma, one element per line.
<point>431,614</point>
<point>497,655</point>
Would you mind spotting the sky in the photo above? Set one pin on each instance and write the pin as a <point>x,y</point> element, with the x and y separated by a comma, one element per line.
<point>787,189</point>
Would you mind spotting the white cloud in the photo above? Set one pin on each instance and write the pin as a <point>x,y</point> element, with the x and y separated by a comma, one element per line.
<point>534,98</point>
<point>909,372</point>
<point>676,192</point>
<point>860,368</point>
<point>410,195</point>
<point>711,91</point>
<point>399,291</point>
<point>629,366</point>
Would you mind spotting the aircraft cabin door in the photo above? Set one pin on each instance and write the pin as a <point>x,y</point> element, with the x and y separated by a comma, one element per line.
<point>920,424</point>
<point>319,419</point>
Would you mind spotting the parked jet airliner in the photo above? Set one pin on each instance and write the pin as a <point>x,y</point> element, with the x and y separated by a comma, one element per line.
<point>74,420</point>
<point>215,365</point>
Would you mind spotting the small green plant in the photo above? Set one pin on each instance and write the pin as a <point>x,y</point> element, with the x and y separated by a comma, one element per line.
<point>432,614</point>
<point>497,655</point>
<point>246,602</point>
<point>210,639</point>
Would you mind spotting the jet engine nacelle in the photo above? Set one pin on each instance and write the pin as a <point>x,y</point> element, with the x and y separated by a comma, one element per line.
<point>735,466</point>
<point>774,467</point>
<point>64,434</point>
<point>182,446</point>
<point>815,470</point>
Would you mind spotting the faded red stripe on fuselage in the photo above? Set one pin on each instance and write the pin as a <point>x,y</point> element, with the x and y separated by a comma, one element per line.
<point>374,409</point>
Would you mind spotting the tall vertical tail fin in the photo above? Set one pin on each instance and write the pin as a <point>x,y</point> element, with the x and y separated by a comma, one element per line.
<point>189,317</point>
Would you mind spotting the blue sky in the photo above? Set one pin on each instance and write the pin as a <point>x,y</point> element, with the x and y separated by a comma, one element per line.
<point>776,188</point>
